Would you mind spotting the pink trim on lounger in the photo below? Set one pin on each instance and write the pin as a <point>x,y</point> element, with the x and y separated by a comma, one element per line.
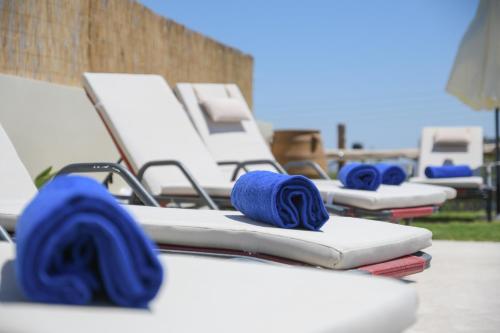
<point>403,213</point>
<point>397,268</point>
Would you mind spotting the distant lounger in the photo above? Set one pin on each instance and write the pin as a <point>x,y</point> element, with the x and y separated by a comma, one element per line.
<point>343,243</point>
<point>454,146</point>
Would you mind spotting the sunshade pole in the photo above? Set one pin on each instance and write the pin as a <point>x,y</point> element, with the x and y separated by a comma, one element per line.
<point>497,157</point>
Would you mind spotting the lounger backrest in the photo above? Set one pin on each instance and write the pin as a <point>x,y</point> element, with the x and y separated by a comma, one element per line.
<point>148,124</point>
<point>226,141</point>
<point>457,145</point>
<point>53,125</point>
<point>16,186</point>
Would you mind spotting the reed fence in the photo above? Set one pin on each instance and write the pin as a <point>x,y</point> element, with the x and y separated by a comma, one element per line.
<point>58,40</point>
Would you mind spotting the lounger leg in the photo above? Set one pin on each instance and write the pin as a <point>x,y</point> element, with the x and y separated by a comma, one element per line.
<point>488,196</point>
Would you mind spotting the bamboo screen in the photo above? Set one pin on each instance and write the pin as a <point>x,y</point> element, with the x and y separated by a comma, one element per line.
<point>58,40</point>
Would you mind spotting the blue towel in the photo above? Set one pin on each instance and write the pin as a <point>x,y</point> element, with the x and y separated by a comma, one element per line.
<point>448,171</point>
<point>75,244</point>
<point>281,200</point>
<point>360,176</point>
<point>392,174</point>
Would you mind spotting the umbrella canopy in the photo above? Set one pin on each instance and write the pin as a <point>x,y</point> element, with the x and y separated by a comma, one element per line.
<point>475,78</point>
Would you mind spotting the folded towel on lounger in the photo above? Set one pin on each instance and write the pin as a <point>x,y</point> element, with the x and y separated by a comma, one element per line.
<point>281,200</point>
<point>360,176</point>
<point>392,174</point>
<point>448,171</point>
<point>75,243</point>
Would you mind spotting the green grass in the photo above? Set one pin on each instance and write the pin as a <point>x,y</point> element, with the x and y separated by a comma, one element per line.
<point>460,225</point>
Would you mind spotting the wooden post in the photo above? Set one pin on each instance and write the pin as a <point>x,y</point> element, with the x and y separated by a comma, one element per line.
<point>341,141</point>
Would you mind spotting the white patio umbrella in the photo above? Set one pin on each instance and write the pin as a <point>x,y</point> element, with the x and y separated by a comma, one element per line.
<point>475,77</point>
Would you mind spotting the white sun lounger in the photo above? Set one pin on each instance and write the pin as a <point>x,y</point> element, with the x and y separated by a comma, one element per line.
<point>454,145</point>
<point>343,243</point>
<point>241,141</point>
<point>149,124</point>
<point>217,295</point>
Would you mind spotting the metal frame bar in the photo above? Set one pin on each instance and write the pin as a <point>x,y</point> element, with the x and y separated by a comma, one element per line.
<point>109,178</point>
<point>497,158</point>
<point>307,163</point>
<point>243,164</point>
<point>201,192</point>
<point>4,235</point>
<point>143,195</point>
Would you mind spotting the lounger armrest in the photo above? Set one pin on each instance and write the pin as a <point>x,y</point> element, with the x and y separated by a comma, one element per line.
<point>201,192</point>
<point>243,164</point>
<point>307,164</point>
<point>143,195</point>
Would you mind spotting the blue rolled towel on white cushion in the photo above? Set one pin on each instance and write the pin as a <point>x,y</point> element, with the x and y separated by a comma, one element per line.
<point>392,174</point>
<point>280,200</point>
<point>75,243</point>
<point>448,171</point>
<point>360,176</point>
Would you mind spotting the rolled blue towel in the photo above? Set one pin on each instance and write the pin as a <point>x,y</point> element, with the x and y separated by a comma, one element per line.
<point>360,176</point>
<point>392,174</point>
<point>281,200</point>
<point>75,243</point>
<point>448,171</point>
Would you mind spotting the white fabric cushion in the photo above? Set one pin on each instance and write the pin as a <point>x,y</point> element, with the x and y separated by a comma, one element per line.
<point>161,128</point>
<point>455,182</point>
<point>225,110</point>
<point>451,136</point>
<point>342,243</point>
<point>217,295</point>
<point>386,196</point>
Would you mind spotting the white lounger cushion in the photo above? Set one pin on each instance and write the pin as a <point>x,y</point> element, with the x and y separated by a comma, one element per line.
<point>342,243</point>
<point>386,196</point>
<point>138,110</point>
<point>458,182</point>
<point>216,295</point>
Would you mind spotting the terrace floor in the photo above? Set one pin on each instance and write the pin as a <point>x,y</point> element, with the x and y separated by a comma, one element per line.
<point>461,290</point>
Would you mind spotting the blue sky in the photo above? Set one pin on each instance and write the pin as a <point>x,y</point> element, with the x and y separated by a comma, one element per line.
<point>380,67</point>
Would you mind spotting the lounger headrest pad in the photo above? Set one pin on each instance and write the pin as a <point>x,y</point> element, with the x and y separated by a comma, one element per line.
<point>229,110</point>
<point>451,136</point>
